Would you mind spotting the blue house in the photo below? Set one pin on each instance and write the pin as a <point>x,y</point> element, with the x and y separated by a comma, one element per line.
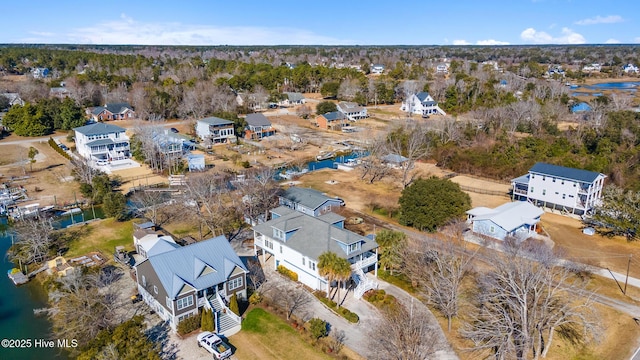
<point>581,107</point>
<point>516,219</point>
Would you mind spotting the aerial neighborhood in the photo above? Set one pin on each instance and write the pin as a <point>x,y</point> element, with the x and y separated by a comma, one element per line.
<point>367,202</point>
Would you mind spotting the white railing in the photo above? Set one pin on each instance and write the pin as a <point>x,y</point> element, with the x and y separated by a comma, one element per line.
<point>366,262</point>
<point>203,302</point>
<point>259,240</point>
<point>228,311</point>
<point>364,284</point>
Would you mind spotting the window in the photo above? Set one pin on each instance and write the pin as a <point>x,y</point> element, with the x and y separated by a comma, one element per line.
<point>354,247</point>
<point>564,196</point>
<point>235,283</point>
<point>278,234</point>
<point>544,191</point>
<point>532,189</point>
<point>280,249</point>
<point>169,303</point>
<point>544,178</point>
<point>312,265</point>
<point>155,289</point>
<point>185,302</point>
<point>144,281</point>
<point>492,229</point>
<point>574,184</point>
<point>303,260</point>
<point>562,182</point>
<point>533,176</point>
<point>268,244</point>
<point>554,180</point>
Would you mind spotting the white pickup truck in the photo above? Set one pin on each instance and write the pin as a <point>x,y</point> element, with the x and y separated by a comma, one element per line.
<point>213,344</point>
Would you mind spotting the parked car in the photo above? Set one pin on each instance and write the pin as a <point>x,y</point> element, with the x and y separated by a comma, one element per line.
<point>64,147</point>
<point>214,344</point>
<point>174,130</point>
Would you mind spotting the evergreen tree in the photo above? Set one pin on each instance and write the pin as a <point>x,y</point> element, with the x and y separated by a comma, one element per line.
<point>233,304</point>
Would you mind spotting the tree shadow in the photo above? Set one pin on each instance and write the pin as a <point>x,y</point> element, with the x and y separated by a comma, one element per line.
<point>159,334</point>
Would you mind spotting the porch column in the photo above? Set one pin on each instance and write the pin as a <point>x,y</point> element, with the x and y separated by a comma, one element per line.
<point>375,271</point>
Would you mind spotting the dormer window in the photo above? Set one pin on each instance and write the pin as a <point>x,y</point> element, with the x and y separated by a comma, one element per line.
<point>278,234</point>
<point>354,247</point>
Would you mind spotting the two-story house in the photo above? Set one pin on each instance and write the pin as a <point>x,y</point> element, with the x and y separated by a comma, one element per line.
<point>216,130</point>
<point>102,142</point>
<point>113,111</point>
<point>296,241</point>
<point>308,201</point>
<point>178,282</point>
<point>258,127</point>
<point>569,190</point>
<point>422,104</point>
<point>630,68</point>
<point>40,72</point>
<point>516,219</point>
<point>352,110</point>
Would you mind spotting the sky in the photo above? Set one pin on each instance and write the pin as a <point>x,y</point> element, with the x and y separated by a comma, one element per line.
<point>326,22</point>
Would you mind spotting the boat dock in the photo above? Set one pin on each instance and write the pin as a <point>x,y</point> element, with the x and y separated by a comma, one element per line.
<point>18,277</point>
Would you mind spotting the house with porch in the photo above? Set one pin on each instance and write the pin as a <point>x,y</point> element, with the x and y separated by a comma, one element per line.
<point>569,190</point>
<point>177,283</point>
<point>352,110</point>
<point>308,201</point>
<point>516,219</point>
<point>113,111</point>
<point>216,130</point>
<point>334,120</point>
<point>102,142</point>
<point>296,241</point>
<point>292,99</point>
<point>258,127</point>
<point>422,104</point>
<point>630,68</point>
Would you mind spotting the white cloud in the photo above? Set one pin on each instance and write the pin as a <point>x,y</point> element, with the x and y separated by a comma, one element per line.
<point>127,30</point>
<point>567,36</point>
<point>491,42</point>
<point>612,41</point>
<point>611,19</point>
<point>637,40</point>
<point>461,42</point>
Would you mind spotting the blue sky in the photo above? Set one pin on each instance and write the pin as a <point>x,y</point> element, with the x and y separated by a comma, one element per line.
<point>328,22</point>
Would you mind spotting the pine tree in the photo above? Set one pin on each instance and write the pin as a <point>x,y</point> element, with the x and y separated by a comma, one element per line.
<point>233,304</point>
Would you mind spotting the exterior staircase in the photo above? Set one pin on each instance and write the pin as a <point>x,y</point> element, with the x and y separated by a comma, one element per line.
<point>227,323</point>
<point>364,284</point>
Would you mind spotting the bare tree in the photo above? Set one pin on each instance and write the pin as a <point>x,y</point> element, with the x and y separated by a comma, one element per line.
<point>409,141</point>
<point>403,334</point>
<point>289,296</point>
<point>373,168</point>
<point>34,239</point>
<point>82,170</point>
<point>149,202</point>
<point>259,193</point>
<point>524,300</point>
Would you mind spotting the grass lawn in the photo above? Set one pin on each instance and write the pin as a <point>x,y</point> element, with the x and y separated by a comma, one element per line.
<point>103,236</point>
<point>266,336</point>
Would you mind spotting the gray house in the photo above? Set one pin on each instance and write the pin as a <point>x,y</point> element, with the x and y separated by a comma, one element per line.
<point>216,130</point>
<point>258,127</point>
<point>177,283</point>
<point>297,240</point>
<point>308,201</point>
<point>516,219</point>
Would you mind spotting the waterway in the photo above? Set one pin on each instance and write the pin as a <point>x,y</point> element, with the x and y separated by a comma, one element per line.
<point>631,86</point>
<point>17,320</point>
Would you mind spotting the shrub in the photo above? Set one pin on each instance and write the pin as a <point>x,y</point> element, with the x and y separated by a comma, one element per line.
<point>233,304</point>
<point>207,321</point>
<point>255,298</point>
<point>344,312</point>
<point>57,148</point>
<point>381,300</point>
<point>189,324</point>
<point>288,273</point>
<point>318,328</point>
<point>349,315</point>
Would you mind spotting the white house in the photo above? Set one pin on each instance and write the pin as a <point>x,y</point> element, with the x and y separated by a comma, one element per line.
<point>352,110</point>
<point>592,67</point>
<point>517,219</point>
<point>292,99</point>
<point>422,104</point>
<point>216,130</point>
<point>296,241</point>
<point>154,244</point>
<point>630,68</point>
<point>102,142</point>
<point>13,98</point>
<point>308,201</point>
<point>377,69</point>
<point>178,282</point>
<point>569,190</point>
<point>442,68</point>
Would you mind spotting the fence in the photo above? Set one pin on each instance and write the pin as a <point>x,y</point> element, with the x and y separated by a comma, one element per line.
<point>484,191</point>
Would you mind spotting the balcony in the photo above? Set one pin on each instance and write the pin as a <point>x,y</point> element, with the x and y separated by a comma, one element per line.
<point>364,260</point>
<point>520,191</point>
<point>259,240</point>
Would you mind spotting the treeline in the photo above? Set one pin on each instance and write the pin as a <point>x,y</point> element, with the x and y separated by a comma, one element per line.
<point>612,148</point>
<point>44,117</point>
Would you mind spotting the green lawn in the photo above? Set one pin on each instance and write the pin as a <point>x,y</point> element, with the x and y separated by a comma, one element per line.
<point>266,336</point>
<point>103,236</point>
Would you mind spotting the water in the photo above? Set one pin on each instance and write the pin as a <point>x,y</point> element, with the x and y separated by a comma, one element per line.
<point>623,86</point>
<point>86,215</point>
<point>17,320</point>
<point>330,163</point>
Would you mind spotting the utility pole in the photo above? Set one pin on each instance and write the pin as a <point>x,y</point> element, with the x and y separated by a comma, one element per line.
<point>627,278</point>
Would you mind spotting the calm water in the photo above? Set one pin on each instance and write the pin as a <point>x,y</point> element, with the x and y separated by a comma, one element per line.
<point>17,320</point>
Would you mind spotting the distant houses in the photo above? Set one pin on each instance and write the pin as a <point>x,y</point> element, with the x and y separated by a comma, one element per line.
<point>377,69</point>
<point>595,67</point>
<point>13,99</point>
<point>40,72</point>
<point>568,190</point>
<point>422,104</point>
<point>113,111</point>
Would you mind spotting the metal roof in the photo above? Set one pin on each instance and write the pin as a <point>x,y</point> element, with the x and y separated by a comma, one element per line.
<point>565,172</point>
<point>334,115</point>
<point>509,216</point>
<point>100,142</point>
<point>216,121</point>
<point>293,96</point>
<point>422,96</point>
<point>313,236</point>
<point>257,120</point>
<point>99,129</point>
<point>185,265</point>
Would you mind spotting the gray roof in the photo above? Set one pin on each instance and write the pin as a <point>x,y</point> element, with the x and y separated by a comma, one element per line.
<point>117,108</point>
<point>216,121</point>
<point>258,120</point>
<point>422,96</point>
<point>98,129</point>
<point>334,115</point>
<point>564,172</point>
<point>293,96</point>
<point>331,217</point>
<point>313,236</point>
<point>394,158</point>
<point>306,197</point>
<point>184,265</point>
<point>346,106</point>
<point>509,216</point>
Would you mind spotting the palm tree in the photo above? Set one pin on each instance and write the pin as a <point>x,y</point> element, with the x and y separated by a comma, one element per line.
<point>334,268</point>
